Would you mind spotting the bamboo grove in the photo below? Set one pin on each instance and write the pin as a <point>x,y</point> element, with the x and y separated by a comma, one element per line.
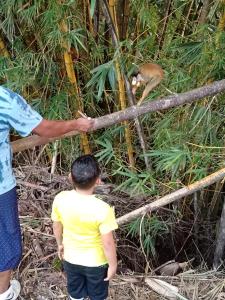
<point>70,55</point>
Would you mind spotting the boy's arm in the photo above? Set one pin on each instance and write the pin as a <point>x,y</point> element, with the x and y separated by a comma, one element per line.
<point>58,233</point>
<point>109,247</point>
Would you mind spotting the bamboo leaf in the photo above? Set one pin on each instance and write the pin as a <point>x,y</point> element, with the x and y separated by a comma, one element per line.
<point>93,4</point>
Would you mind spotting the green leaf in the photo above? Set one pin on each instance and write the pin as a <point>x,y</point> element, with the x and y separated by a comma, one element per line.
<point>92,10</point>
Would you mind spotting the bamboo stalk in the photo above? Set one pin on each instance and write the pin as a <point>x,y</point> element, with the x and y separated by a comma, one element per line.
<point>164,27</point>
<point>187,18</point>
<point>130,113</point>
<point>96,20</point>
<point>204,12</point>
<point>3,50</point>
<point>72,78</point>
<point>126,14</point>
<point>130,96</point>
<point>122,99</point>
<point>170,198</point>
<point>91,28</point>
<point>221,24</point>
<point>112,9</point>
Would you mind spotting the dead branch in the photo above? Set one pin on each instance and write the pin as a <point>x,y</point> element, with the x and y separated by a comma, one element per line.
<point>177,195</point>
<point>130,113</point>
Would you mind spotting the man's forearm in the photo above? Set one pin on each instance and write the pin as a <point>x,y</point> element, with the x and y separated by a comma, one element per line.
<point>51,128</point>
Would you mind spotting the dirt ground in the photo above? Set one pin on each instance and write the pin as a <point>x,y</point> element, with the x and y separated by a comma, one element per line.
<point>40,272</point>
<point>46,284</point>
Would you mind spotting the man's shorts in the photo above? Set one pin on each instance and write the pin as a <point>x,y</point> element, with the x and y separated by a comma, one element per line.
<point>10,234</point>
<point>86,281</point>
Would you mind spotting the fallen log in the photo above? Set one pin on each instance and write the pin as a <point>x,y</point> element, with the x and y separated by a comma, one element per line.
<point>129,113</point>
<point>177,195</point>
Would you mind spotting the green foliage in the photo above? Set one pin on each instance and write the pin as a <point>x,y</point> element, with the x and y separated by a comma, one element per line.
<point>136,183</point>
<point>173,160</point>
<point>57,264</point>
<point>183,143</point>
<point>107,153</point>
<point>147,229</point>
<point>100,76</point>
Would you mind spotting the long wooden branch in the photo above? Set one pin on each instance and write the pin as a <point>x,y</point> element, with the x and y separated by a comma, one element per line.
<point>130,113</point>
<point>177,195</point>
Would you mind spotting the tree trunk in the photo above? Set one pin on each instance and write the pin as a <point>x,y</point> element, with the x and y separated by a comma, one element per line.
<point>130,113</point>
<point>220,242</point>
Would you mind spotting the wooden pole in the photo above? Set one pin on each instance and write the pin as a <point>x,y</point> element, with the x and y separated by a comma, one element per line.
<point>130,113</point>
<point>177,195</point>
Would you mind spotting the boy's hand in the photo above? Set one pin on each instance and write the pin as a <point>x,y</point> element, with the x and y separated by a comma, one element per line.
<point>61,252</point>
<point>111,273</point>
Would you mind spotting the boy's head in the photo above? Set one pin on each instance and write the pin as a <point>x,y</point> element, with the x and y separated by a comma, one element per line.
<point>85,172</point>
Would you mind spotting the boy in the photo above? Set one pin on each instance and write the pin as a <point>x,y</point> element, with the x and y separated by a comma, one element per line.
<point>83,226</point>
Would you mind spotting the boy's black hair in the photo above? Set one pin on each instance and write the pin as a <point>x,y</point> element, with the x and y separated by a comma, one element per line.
<point>85,171</point>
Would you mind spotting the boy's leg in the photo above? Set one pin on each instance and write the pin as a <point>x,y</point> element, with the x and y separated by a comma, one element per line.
<point>76,282</point>
<point>10,240</point>
<point>97,288</point>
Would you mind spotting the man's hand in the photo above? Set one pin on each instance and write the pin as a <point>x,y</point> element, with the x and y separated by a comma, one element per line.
<point>111,272</point>
<point>83,124</point>
<point>48,128</point>
<point>61,252</point>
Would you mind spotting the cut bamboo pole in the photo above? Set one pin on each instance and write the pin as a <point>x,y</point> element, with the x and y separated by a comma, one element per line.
<point>130,113</point>
<point>170,198</point>
<point>72,78</point>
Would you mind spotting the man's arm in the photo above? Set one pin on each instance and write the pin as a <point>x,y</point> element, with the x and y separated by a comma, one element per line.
<point>49,128</point>
<point>58,233</point>
<point>109,247</point>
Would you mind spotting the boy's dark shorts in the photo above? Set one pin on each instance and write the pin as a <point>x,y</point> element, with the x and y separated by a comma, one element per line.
<point>86,281</point>
<point>10,234</point>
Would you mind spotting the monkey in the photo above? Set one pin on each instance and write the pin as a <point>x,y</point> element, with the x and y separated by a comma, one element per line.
<point>148,74</point>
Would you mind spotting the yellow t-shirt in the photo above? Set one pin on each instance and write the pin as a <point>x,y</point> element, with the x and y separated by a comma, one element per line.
<point>84,219</point>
